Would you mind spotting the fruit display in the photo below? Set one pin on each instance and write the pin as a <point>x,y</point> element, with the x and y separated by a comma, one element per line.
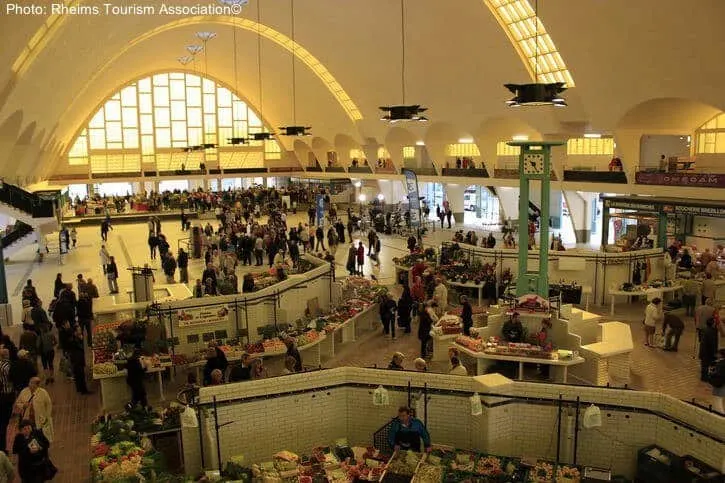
<point>448,324</point>
<point>428,473</point>
<point>518,349</point>
<point>104,369</point>
<point>464,461</point>
<point>542,472</point>
<point>567,474</point>
<point>404,463</point>
<point>475,345</point>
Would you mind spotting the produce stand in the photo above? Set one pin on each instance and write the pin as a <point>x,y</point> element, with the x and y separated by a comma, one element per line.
<point>114,391</point>
<point>476,352</point>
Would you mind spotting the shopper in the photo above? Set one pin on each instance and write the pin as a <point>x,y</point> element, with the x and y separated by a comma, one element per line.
<point>29,342</point>
<point>153,242</point>
<point>22,370</point>
<point>351,259</point>
<point>198,289</point>
<point>708,348</point>
<point>292,351</point>
<point>59,284</point>
<point>84,310</point>
<point>7,396</point>
<point>135,379</point>
<point>31,446</point>
<point>449,214</point>
<point>690,291</point>
<point>77,357</point>
<point>652,316</point>
<point>7,471</point>
<point>289,365</point>
<point>243,370</point>
<point>420,365</point>
<point>320,237</point>
<point>360,258</point>
<point>458,369</point>
<point>26,316</point>
<point>466,315</point>
<point>703,313</point>
<point>387,315</point>
<point>407,431</point>
<point>112,275</point>
<point>405,307</point>
<point>708,288</point>
<point>425,324</point>
<point>717,381</point>
<point>169,265</point>
<point>74,236</point>
<point>105,258</point>
<point>513,329</point>
<point>440,296</point>
<point>34,403</point>
<point>183,262</point>
<point>676,327</point>
<point>91,289</point>
<point>396,362</point>
<point>46,348</point>
<point>29,293</point>
<point>215,360</point>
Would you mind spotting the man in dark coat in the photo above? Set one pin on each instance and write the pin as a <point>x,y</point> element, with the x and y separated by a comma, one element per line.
<point>708,348</point>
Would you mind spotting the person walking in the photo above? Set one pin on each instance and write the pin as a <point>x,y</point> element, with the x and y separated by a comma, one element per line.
<point>425,324</point>
<point>105,258</point>
<point>34,403</point>
<point>405,307</point>
<point>653,315</point>
<point>73,236</point>
<point>449,214</point>
<point>708,349</point>
<point>320,237</point>
<point>104,230</point>
<point>708,288</point>
<point>84,311</point>
<point>168,263</point>
<point>153,242</point>
<point>91,289</point>
<point>360,258</point>
<point>387,315</point>
<point>22,370</point>
<point>112,275</point>
<point>7,397</point>
<point>676,327</point>
<point>183,262</point>
<point>31,446</point>
<point>46,349</point>
<point>466,315</point>
<point>690,291</point>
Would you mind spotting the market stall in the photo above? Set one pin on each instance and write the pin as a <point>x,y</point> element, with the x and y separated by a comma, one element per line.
<point>649,291</point>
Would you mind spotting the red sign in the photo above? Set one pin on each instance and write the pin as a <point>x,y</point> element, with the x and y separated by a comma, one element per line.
<point>698,180</point>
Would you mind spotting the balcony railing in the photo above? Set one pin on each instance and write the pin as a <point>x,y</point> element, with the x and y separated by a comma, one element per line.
<point>335,169</point>
<point>19,231</point>
<point>30,203</point>
<point>685,179</point>
<point>618,177</point>
<point>466,172</point>
<point>359,169</point>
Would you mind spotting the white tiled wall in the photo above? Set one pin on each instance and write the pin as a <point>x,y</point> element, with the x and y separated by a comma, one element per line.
<point>300,422</point>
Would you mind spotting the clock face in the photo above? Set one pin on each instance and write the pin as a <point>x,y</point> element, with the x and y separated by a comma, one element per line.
<point>533,163</point>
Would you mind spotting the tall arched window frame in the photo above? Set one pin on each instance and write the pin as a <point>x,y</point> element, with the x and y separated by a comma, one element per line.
<point>148,124</point>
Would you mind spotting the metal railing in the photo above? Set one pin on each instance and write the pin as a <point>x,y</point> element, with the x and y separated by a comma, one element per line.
<point>27,202</point>
<point>21,229</point>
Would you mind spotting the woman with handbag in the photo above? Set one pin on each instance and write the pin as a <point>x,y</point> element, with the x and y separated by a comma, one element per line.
<point>31,446</point>
<point>33,403</point>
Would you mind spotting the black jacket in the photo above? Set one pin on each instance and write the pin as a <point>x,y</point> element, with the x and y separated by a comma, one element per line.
<point>182,260</point>
<point>76,354</point>
<point>20,373</point>
<point>425,324</point>
<point>708,344</point>
<point>84,308</point>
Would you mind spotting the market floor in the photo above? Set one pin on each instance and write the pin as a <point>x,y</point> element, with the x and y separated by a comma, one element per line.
<point>676,374</point>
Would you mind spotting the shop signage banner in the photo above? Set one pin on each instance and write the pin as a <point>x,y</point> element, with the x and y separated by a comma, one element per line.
<point>629,205</point>
<point>695,210</point>
<point>203,316</point>
<point>411,185</point>
<point>698,180</point>
<point>320,203</point>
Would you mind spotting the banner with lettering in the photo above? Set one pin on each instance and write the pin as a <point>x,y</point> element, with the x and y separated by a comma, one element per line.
<point>203,316</point>
<point>320,204</point>
<point>411,185</point>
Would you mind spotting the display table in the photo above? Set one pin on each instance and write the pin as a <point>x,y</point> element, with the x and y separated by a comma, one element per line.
<point>115,392</point>
<point>483,357</point>
<point>348,329</point>
<point>649,293</point>
<point>470,285</point>
<point>608,361</point>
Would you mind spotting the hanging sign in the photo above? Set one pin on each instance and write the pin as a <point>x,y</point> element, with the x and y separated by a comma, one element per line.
<point>203,315</point>
<point>411,185</point>
<point>629,205</point>
<point>715,211</point>
<point>320,204</point>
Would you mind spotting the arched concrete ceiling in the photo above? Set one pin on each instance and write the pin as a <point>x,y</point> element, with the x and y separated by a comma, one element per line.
<point>621,54</point>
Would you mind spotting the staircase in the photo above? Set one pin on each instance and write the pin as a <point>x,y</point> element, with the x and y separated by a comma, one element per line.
<point>29,208</point>
<point>22,236</point>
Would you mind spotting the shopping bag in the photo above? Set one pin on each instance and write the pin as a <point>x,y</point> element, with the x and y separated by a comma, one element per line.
<point>659,340</point>
<point>381,397</point>
<point>476,406</point>
<point>189,418</point>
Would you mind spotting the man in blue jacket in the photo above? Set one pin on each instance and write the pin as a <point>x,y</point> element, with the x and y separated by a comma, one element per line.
<point>407,431</point>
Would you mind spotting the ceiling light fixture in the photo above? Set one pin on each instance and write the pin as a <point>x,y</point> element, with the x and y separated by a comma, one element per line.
<point>591,135</point>
<point>465,141</point>
<point>520,137</point>
<point>403,112</point>
<point>185,59</point>
<point>420,143</point>
<point>294,130</point>
<point>194,49</point>
<point>537,93</point>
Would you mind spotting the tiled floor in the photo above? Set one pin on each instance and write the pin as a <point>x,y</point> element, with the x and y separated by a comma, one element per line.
<point>672,373</point>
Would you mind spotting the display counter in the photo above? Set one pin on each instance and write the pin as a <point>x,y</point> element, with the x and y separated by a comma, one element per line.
<point>636,292</point>
<point>609,358</point>
<point>115,393</point>
<point>107,307</point>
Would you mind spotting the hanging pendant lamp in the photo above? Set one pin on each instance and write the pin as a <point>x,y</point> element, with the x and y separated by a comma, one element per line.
<point>294,129</point>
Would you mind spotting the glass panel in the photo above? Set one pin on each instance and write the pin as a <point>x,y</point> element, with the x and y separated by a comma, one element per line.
<point>98,120</point>
<point>240,128</point>
<point>113,111</point>
<point>144,85</point>
<point>209,123</point>
<point>177,89</point>
<point>147,124</point>
<point>224,134</point>
<point>720,143</point>
<point>194,116</point>
<point>130,117</point>
<point>208,86</point>
<point>178,110</point>
<point>161,117</point>
<point>209,103</point>
<point>700,143</point>
<point>147,145</point>
<point>239,110</point>
<point>148,159</point>
<point>193,80</point>
<point>114,145</point>
<point>128,96</point>
<point>254,121</point>
<point>98,139</point>
<point>195,136</point>
<point>161,80</point>
<point>163,138</point>
<point>193,96</point>
<point>80,147</point>
<point>178,130</point>
<point>130,138</point>
<point>161,96</point>
<point>176,75</point>
<point>225,116</point>
<point>145,103</point>
<point>224,97</point>
<point>113,132</point>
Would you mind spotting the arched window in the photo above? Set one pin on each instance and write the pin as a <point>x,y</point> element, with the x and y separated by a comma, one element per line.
<point>150,124</point>
<point>710,137</point>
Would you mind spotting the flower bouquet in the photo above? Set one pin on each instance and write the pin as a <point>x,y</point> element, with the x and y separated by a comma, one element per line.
<point>542,472</point>
<point>567,474</point>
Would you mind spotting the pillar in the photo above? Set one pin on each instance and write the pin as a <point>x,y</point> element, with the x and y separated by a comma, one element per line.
<point>662,230</point>
<point>605,226</point>
<point>454,195</point>
<point>3,280</point>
